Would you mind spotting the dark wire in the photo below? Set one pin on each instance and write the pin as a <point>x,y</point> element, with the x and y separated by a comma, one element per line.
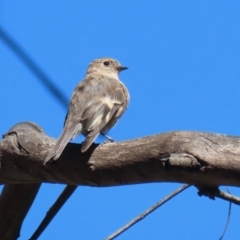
<point>45,80</point>
<point>67,192</point>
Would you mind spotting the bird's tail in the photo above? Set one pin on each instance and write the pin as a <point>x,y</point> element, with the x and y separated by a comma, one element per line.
<point>66,136</point>
<point>89,140</point>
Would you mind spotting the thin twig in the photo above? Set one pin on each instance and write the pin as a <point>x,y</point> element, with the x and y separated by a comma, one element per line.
<point>212,193</point>
<point>229,197</point>
<point>228,219</point>
<point>67,192</point>
<point>148,211</point>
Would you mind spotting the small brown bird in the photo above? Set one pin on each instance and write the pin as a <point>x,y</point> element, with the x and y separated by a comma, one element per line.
<point>97,103</point>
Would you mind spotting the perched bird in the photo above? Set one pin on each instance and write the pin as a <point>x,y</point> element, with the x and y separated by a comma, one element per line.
<point>97,103</point>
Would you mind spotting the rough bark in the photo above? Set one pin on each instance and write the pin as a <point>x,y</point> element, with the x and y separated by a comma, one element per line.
<point>197,158</point>
<point>14,207</point>
<point>205,160</point>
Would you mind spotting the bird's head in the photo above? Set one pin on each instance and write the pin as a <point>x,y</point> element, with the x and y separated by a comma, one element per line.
<point>106,66</point>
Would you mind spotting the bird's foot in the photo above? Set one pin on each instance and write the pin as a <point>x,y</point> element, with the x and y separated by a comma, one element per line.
<point>104,142</point>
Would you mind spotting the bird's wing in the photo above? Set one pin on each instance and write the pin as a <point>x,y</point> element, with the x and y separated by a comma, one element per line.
<point>102,109</point>
<point>121,100</point>
<point>96,122</point>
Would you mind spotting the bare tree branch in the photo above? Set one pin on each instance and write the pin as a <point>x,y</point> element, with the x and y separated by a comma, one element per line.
<point>14,207</point>
<point>201,159</point>
<point>147,212</point>
<point>215,192</point>
<point>205,160</point>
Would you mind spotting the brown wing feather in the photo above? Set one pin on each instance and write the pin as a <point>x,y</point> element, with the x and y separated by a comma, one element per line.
<point>103,114</point>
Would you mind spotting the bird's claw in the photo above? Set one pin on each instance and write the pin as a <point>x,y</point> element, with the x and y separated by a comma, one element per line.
<point>105,142</point>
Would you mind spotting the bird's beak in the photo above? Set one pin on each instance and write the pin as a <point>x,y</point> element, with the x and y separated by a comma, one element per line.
<point>121,68</point>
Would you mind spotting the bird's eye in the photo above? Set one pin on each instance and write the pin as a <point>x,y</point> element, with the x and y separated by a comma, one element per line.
<point>106,63</point>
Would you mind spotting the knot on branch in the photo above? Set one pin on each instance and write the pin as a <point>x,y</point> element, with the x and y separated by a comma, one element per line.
<point>182,159</point>
<point>19,138</point>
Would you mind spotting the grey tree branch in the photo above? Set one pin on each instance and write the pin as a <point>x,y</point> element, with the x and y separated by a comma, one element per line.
<point>205,160</point>
<point>201,159</point>
<point>14,207</point>
<point>147,212</point>
<point>215,192</point>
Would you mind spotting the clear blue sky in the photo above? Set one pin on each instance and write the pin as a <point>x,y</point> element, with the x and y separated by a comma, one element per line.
<point>184,74</point>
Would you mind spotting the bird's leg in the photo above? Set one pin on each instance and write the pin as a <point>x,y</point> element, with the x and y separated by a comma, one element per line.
<point>108,138</point>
